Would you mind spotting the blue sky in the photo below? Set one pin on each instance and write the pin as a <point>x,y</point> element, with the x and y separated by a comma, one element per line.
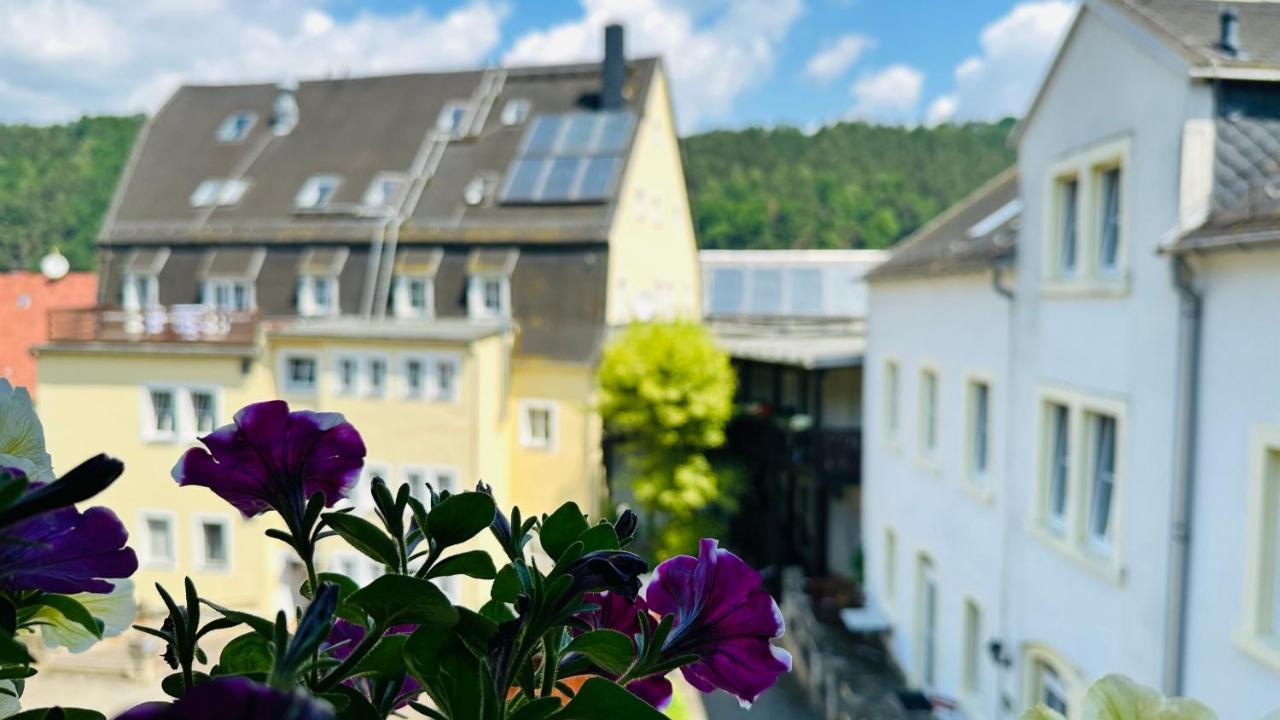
<point>733,62</point>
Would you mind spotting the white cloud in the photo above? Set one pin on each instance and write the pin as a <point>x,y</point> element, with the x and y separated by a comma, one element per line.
<point>1015,50</point>
<point>714,49</point>
<point>836,58</point>
<point>888,95</point>
<point>942,109</point>
<point>63,58</point>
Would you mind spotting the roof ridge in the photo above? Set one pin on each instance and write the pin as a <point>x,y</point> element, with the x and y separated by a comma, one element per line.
<point>955,209</point>
<point>1161,26</point>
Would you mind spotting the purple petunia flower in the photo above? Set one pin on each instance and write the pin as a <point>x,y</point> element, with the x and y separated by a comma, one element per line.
<point>724,616</point>
<point>233,697</point>
<point>273,459</point>
<point>345,636</point>
<point>65,551</point>
<point>617,613</point>
<point>613,570</point>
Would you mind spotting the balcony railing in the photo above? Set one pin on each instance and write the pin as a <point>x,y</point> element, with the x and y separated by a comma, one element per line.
<point>173,324</point>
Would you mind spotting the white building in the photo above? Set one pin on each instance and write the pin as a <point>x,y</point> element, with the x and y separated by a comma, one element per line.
<point>1129,518</point>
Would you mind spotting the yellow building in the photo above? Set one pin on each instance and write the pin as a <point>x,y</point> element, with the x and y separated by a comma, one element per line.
<point>439,257</point>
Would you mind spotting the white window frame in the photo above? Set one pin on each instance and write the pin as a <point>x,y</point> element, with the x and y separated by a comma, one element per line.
<point>367,362</point>
<point>340,388</point>
<point>890,569</point>
<point>516,111</point>
<point>1071,535</point>
<point>150,432</point>
<point>1035,658</point>
<point>1089,275</point>
<point>307,305</point>
<point>287,386</point>
<point>210,286</point>
<point>449,127</point>
<point>527,440</point>
<point>431,474</point>
<point>431,364</point>
<point>200,552</point>
<point>893,401</point>
<point>375,195</point>
<point>928,418</point>
<point>926,625</point>
<point>401,297</point>
<point>131,299</point>
<point>206,194</point>
<point>308,197</point>
<point>1258,634</point>
<point>477,308</point>
<point>144,548</point>
<point>979,481</point>
<point>189,411</point>
<point>971,648</point>
<point>224,133</point>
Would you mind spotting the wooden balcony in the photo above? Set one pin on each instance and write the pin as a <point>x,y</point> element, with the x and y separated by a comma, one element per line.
<point>174,324</point>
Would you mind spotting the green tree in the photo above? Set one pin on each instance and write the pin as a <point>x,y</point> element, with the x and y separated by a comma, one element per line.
<point>666,393</point>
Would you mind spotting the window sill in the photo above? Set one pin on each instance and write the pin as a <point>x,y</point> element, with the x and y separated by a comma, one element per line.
<point>1258,647</point>
<point>1109,569</point>
<point>1085,287</point>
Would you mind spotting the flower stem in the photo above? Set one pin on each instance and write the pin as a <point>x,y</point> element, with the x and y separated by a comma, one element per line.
<point>357,654</point>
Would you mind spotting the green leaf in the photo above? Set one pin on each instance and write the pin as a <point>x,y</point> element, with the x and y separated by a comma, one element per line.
<point>539,709</point>
<point>497,611</point>
<point>599,537</point>
<point>398,599</point>
<point>460,517</point>
<point>506,586</point>
<point>346,588</point>
<point>351,704</point>
<point>13,652</point>
<point>474,630</point>
<point>72,610</point>
<point>172,683</point>
<point>601,699</point>
<point>610,649</point>
<point>246,654</point>
<point>386,660</point>
<point>473,563</point>
<point>66,713</point>
<point>260,625</point>
<point>561,529</point>
<point>365,537</point>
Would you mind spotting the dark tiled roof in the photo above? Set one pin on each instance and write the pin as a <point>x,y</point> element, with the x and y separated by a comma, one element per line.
<point>1191,28</point>
<point>354,128</point>
<point>946,245</point>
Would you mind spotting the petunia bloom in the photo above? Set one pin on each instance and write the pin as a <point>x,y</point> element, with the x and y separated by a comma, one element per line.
<point>234,697</point>
<point>724,616</point>
<point>273,459</point>
<point>21,435</point>
<point>343,638</point>
<point>618,613</point>
<point>116,609</point>
<point>65,551</point>
<point>613,570</point>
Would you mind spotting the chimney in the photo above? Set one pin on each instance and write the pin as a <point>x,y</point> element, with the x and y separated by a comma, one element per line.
<point>613,71</point>
<point>1229,35</point>
<point>284,114</point>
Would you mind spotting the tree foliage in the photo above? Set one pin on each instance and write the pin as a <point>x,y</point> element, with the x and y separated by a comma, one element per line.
<point>56,183</point>
<point>667,392</point>
<point>847,185</point>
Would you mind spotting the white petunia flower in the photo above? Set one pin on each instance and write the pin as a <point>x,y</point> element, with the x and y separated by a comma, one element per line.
<point>22,436</point>
<point>116,609</point>
<point>1116,697</point>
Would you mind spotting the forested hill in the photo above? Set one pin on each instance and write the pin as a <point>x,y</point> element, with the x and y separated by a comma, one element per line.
<point>848,185</point>
<point>55,185</point>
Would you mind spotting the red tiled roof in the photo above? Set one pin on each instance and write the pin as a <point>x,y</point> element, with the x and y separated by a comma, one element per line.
<point>25,301</point>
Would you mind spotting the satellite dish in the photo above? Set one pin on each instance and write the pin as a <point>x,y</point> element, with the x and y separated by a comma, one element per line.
<point>54,266</point>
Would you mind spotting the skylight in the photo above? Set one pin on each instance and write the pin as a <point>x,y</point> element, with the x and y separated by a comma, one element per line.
<point>385,190</point>
<point>236,126</point>
<point>574,157</point>
<point>205,193</point>
<point>317,191</point>
<point>515,111</point>
<point>219,191</point>
<point>451,116</point>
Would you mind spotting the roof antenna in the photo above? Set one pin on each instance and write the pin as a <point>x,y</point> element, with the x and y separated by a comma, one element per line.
<point>1229,33</point>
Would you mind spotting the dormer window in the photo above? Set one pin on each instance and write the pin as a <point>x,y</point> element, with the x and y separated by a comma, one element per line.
<point>316,192</point>
<point>413,294</point>
<point>449,121</point>
<point>232,191</point>
<point>228,277</point>
<point>140,281</point>
<point>219,192</point>
<point>478,191</point>
<point>236,126</point>
<point>515,111</point>
<point>489,283</point>
<point>385,190</point>
<point>206,193</point>
<point>318,281</point>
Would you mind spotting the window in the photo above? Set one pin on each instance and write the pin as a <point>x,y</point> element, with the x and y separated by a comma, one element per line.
<point>159,547</point>
<point>232,190</point>
<point>1068,209</point>
<point>236,126</point>
<point>928,414</point>
<point>1049,680</point>
<point>538,424</point>
<point>413,297</point>
<point>1109,221</point>
<point>477,191</point>
<point>446,379</point>
<point>926,623</point>
<point>515,111</point>
<point>348,370</point>
<point>164,414</point>
<point>213,544</point>
<point>890,566</point>
<point>140,291</point>
<point>1052,693</point>
<point>385,190</point>
<point>1260,634</point>
<point>228,294</point>
<point>489,296</point>
<point>300,374</point>
<point>891,392</point>
<point>727,288</point>
<point>451,116</point>
<point>415,378</point>
<point>971,662</point>
<point>1102,473</point>
<point>317,295</point>
<point>979,432</point>
<point>416,479</point>
<point>376,376</point>
<point>206,193</point>
<point>1059,464</point>
<point>317,192</point>
<point>205,412</point>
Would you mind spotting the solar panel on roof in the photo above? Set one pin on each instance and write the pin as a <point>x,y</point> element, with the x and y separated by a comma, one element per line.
<point>766,292</point>
<point>726,291</point>
<point>574,157</point>
<point>805,291</point>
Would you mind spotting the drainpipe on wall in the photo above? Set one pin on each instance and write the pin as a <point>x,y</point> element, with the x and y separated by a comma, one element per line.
<point>1184,462</point>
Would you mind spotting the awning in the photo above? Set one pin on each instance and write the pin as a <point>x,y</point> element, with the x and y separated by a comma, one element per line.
<point>146,261</point>
<point>418,261</point>
<point>323,261</point>
<point>498,261</point>
<point>233,262</point>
